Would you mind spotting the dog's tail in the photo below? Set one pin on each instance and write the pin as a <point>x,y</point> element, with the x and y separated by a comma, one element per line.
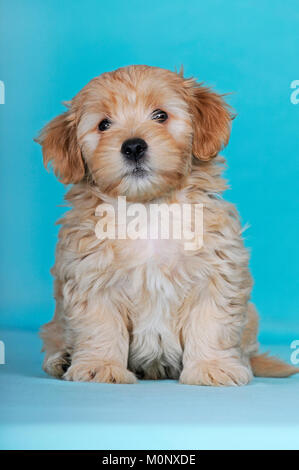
<point>262,365</point>
<point>269,366</point>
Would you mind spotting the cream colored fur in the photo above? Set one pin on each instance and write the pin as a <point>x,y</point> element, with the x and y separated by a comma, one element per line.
<point>147,308</point>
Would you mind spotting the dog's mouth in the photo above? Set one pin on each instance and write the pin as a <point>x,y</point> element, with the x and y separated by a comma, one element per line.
<point>138,171</point>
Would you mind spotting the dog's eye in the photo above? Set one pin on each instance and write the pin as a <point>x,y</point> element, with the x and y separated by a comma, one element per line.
<point>159,115</point>
<point>105,124</point>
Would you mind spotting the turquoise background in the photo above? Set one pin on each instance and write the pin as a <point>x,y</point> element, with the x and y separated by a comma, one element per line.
<point>50,49</point>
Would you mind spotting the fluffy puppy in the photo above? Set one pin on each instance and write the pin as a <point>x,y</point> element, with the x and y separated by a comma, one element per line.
<point>128,308</point>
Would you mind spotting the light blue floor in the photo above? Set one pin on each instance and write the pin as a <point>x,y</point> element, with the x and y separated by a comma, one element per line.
<point>39,412</point>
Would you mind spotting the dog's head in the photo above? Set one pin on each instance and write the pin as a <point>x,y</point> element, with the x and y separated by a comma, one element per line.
<point>135,132</point>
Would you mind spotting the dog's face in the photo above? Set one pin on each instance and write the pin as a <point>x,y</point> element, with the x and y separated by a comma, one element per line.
<point>135,132</point>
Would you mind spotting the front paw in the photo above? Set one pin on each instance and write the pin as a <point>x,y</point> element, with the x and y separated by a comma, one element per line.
<point>56,364</point>
<point>99,371</point>
<point>216,372</point>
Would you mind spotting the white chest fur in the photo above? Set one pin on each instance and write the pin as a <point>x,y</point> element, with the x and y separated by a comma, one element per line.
<point>151,254</point>
<point>155,349</point>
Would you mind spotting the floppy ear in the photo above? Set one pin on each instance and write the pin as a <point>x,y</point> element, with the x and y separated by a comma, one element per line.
<point>211,120</point>
<point>59,142</point>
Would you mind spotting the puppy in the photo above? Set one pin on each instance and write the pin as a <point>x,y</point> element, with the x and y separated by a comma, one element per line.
<point>152,309</point>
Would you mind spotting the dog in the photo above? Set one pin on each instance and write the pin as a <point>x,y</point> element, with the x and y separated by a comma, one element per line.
<point>143,308</point>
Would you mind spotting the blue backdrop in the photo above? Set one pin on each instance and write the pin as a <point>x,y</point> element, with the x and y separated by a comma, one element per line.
<point>50,49</point>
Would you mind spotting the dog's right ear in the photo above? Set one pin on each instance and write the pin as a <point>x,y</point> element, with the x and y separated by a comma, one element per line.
<point>60,146</point>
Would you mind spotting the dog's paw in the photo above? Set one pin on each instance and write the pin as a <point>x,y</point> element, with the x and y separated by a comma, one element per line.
<point>216,372</point>
<point>57,364</point>
<point>100,371</point>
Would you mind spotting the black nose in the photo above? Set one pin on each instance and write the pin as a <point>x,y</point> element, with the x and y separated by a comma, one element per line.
<point>134,149</point>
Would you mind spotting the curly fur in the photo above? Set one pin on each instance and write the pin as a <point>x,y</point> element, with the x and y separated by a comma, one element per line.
<point>144,308</point>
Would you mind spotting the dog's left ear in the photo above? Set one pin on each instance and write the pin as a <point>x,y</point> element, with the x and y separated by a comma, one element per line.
<point>211,120</point>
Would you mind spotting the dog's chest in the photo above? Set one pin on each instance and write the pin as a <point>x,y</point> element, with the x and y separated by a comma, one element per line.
<point>155,350</point>
<point>150,233</point>
<point>159,253</point>
<point>155,290</point>
<point>153,274</point>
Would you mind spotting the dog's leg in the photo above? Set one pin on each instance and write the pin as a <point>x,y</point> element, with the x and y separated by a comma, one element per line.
<point>212,337</point>
<point>101,344</point>
<point>57,357</point>
<point>249,343</point>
